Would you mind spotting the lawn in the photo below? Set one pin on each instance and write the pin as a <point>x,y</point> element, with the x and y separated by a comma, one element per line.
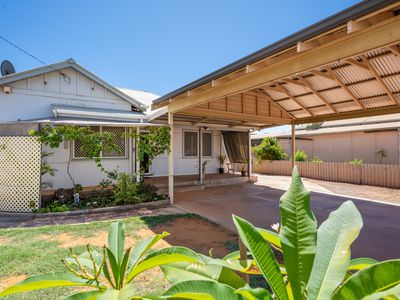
<point>30,251</point>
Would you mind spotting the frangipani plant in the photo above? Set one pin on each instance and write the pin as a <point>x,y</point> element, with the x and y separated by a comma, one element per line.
<point>317,261</point>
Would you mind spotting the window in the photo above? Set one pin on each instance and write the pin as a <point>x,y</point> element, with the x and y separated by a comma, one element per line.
<point>120,141</point>
<point>207,143</point>
<point>190,143</point>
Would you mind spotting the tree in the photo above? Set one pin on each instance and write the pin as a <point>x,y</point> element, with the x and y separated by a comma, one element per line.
<point>269,149</point>
<point>300,155</point>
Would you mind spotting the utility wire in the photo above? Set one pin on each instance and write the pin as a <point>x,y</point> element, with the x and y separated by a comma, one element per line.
<point>67,79</point>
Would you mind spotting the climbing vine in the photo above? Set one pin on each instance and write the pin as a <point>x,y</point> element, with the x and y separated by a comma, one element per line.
<point>151,143</point>
<point>92,142</point>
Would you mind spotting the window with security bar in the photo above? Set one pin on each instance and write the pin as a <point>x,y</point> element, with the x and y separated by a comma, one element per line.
<point>120,141</point>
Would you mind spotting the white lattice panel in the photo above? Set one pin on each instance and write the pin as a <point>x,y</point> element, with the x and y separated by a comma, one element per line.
<point>20,161</point>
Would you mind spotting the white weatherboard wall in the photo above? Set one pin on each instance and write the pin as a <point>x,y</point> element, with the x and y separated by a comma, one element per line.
<point>32,98</point>
<point>184,165</point>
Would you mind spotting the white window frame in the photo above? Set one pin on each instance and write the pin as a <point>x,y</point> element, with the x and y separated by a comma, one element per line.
<point>101,154</point>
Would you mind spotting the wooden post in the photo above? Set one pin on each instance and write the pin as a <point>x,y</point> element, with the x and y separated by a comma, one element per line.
<point>243,258</point>
<point>136,154</point>
<point>249,162</point>
<point>171,159</point>
<point>201,155</point>
<point>293,144</point>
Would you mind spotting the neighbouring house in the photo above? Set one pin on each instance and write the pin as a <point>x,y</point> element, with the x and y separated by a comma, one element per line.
<point>67,93</point>
<point>344,140</point>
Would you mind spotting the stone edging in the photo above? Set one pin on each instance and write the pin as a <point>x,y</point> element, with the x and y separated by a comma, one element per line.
<point>92,210</point>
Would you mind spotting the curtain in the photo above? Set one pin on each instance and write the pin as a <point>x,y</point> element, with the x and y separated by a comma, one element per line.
<point>236,145</point>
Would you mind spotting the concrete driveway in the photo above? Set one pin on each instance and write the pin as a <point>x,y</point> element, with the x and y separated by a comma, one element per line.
<point>379,238</point>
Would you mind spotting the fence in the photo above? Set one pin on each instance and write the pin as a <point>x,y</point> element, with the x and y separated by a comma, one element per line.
<point>368,174</point>
<point>20,162</point>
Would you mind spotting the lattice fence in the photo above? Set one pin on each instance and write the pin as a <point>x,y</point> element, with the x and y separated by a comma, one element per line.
<point>20,161</point>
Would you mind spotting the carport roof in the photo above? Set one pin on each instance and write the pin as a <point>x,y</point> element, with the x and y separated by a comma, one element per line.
<point>345,66</point>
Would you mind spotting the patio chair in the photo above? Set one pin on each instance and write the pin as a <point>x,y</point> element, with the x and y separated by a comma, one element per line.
<point>231,168</point>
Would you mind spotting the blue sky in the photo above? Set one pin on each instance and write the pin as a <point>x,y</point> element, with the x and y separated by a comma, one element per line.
<point>152,45</point>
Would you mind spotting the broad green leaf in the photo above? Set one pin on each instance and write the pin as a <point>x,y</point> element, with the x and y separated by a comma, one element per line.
<point>127,292</point>
<point>179,296</point>
<point>114,267</point>
<point>271,237</point>
<point>91,295</point>
<point>389,294</point>
<point>358,264</point>
<point>254,294</point>
<point>369,281</point>
<point>45,281</point>
<point>218,291</point>
<point>122,269</point>
<point>195,271</point>
<point>143,246</point>
<point>116,240</point>
<point>263,256</point>
<point>298,234</point>
<point>158,260</point>
<point>332,258</point>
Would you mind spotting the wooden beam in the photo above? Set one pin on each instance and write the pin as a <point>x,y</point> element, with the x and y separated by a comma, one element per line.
<point>379,79</point>
<point>233,116</point>
<point>291,97</point>
<point>317,94</point>
<point>351,114</point>
<point>353,26</point>
<point>297,82</point>
<point>201,121</point>
<point>271,101</point>
<point>238,123</point>
<point>394,49</point>
<point>304,46</point>
<point>373,37</point>
<point>322,74</point>
<point>357,63</point>
<point>334,76</point>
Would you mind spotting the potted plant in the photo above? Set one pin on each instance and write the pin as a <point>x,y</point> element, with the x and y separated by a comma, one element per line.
<point>221,158</point>
<point>244,167</point>
<point>203,168</point>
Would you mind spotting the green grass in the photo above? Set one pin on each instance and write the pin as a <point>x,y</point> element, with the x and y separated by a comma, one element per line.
<point>23,251</point>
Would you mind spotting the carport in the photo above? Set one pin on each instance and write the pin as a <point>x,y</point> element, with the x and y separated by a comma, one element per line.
<point>345,66</point>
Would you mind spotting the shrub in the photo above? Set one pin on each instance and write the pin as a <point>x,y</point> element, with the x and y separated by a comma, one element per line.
<point>316,159</point>
<point>269,149</point>
<point>300,155</point>
<point>355,161</point>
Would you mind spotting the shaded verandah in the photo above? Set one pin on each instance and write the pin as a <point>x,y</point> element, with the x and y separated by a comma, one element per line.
<point>345,66</point>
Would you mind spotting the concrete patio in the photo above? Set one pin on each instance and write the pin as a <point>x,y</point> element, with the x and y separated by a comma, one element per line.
<point>379,238</point>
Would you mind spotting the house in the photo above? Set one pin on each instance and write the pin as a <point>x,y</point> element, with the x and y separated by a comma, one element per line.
<point>67,93</point>
<point>344,140</point>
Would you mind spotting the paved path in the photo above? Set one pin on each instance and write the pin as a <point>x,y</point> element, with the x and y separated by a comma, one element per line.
<point>379,238</point>
<point>8,220</point>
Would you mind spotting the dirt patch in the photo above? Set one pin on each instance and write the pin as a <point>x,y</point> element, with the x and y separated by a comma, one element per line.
<point>197,234</point>
<point>67,240</point>
<point>4,241</point>
<point>9,281</point>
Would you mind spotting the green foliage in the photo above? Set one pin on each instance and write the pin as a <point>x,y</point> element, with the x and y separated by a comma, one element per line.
<point>300,155</point>
<point>269,149</point>
<point>128,191</point>
<point>155,141</point>
<point>109,274</point>
<point>92,142</point>
<point>355,161</point>
<point>221,159</point>
<point>316,159</point>
<point>381,154</point>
